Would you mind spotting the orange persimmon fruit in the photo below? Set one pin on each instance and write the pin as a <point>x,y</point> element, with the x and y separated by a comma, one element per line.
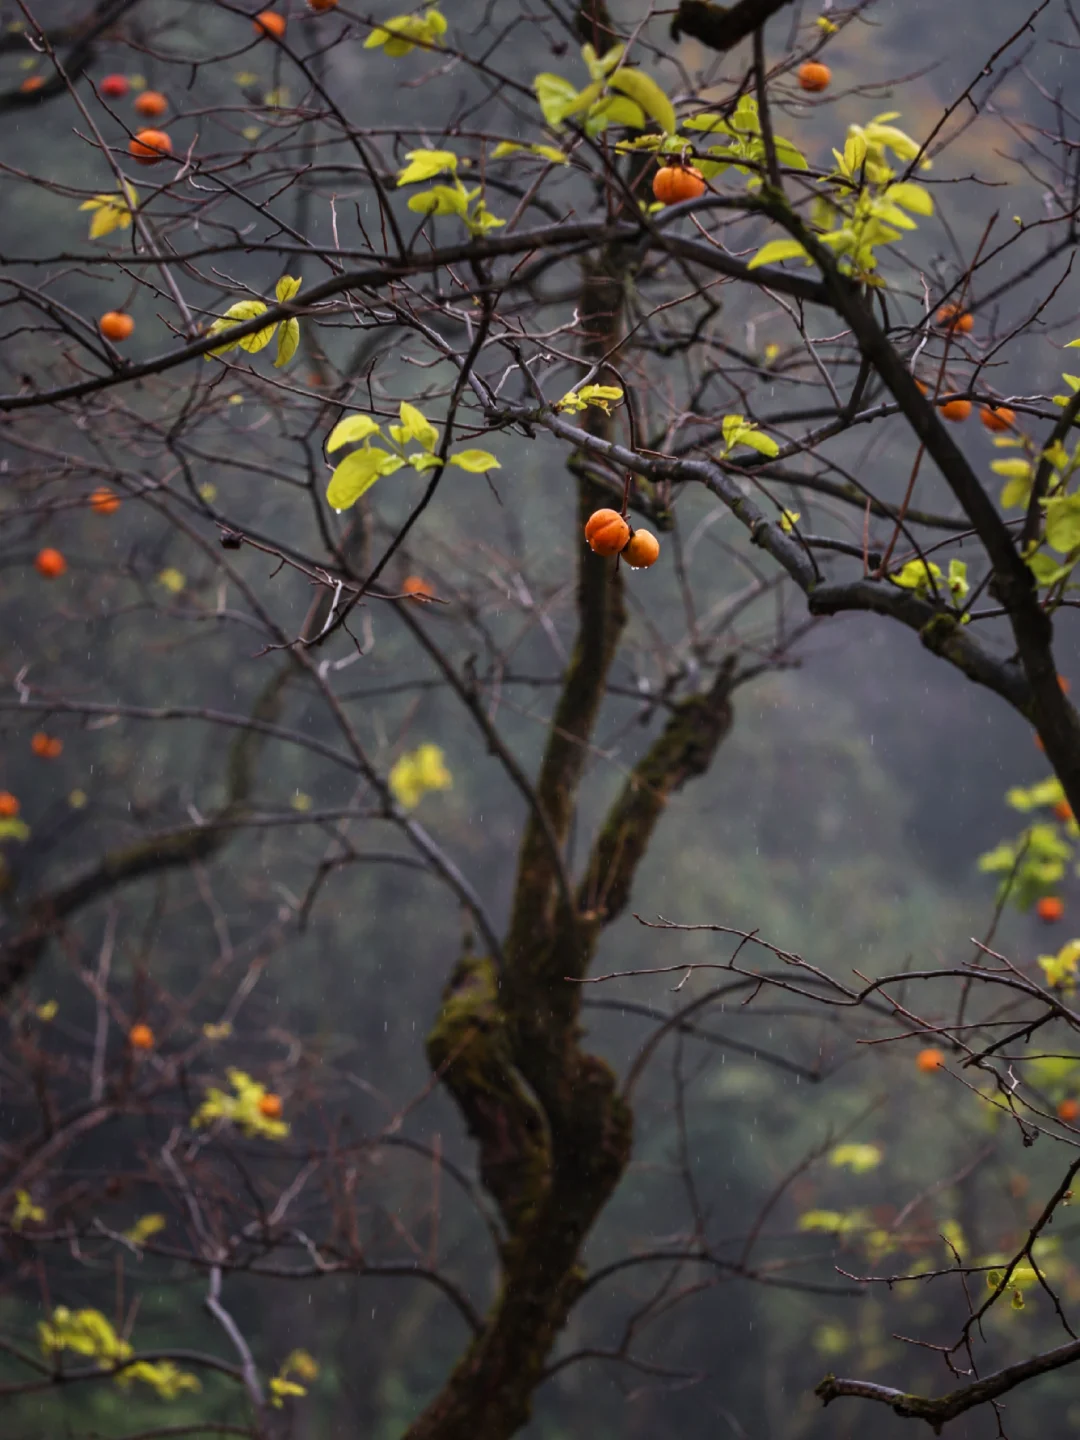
<point>9,805</point>
<point>151,104</point>
<point>929,1060</point>
<point>141,1037</point>
<point>1068,1110</point>
<point>642,550</point>
<point>116,325</point>
<point>270,1105</point>
<point>997,417</point>
<point>104,501</point>
<point>673,183</point>
<point>1050,908</point>
<point>956,410</point>
<point>814,76</point>
<point>416,586</point>
<point>1063,811</point>
<point>46,747</point>
<point>32,83</point>
<point>269,22</point>
<point>114,86</point>
<point>150,147</point>
<point>50,563</point>
<point>607,532</point>
<point>951,317</point>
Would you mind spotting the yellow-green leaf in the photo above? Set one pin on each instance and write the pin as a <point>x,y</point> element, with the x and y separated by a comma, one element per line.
<point>915,198</point>
<point>775,251</point>
<point>475,461</point>
<point>644,90</point>
<point>288,340</point>
<point>242,310</point>
<point>426,164</point>
<point>355,476</point>
<point>417,426</point>
<point>287,288</point>
<point>554,94</point>
<point>351,429</point>
<point>440,200</point>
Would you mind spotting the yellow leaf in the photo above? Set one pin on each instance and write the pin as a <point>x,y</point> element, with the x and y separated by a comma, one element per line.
<point>288,340</point>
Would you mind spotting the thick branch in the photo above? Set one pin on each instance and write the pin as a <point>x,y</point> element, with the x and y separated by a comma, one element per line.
<point>938,1412</point>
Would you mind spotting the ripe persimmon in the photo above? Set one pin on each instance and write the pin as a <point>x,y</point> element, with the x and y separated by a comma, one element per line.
<point>32,83</point>
<point>269,22</point>
<point>46,747</point>
<point>607,532</point>
<point>642,550</point>
<point>50,563</point>
<point>1068,1110</point>
<point>104,501</point>
<point>929,1060</point>
<point>9,805</point>
<point>320,5</point>
<point>151,104</point>
<point>1050,908</point>
<point>997,417</point>
<point>141,1037</point>
<point>416,586</point>
<point>270,1105</point>
<point>1063,811</point>
<point>814,76</point>
<point>951,317</point>
<point>1063,685</point>
<point>115,87</point>
<point>115,325</point>
<point>150,147</point>
<point>956,410</point>
<point>673,183</point>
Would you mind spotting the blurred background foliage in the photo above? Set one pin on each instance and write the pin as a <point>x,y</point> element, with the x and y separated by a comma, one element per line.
<point>842,819</point>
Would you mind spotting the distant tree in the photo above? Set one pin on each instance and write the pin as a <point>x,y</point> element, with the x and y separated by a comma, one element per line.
<point>330,304</point>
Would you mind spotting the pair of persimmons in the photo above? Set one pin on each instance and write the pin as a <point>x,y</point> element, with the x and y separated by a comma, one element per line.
<point>608,533</point>
<point>674,183</point>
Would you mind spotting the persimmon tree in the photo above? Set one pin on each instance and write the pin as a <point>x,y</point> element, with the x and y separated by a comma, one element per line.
<point>285,382</point>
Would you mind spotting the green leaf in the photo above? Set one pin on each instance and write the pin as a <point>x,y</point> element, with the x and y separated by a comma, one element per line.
<point>426,164</point>
<point>403,33</point>
<point>911,196</point>
<point>423,461</point>
<point>287,288</point>
<point>287,341</point>
<point>417,426</point>
<point>242,310</point>
<point>598,68</point>
<point>440,200</point>
<point>480,219</point>
<point>550,152</point>
<point>1063,523</point>
<point>583,100</point>
<point>351,429</point>
<point>504,148</point>
<point>763,444</point>
<point>357,473</point>
<point>476,462</point>
<point>1046,570</point>
<point>618,110</point>
<point>644,90</point>
<point>775,251</point>
<point>1017,492</point>
<point>14,829</point>
<point>554,94</point>
<point>788,155</point>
